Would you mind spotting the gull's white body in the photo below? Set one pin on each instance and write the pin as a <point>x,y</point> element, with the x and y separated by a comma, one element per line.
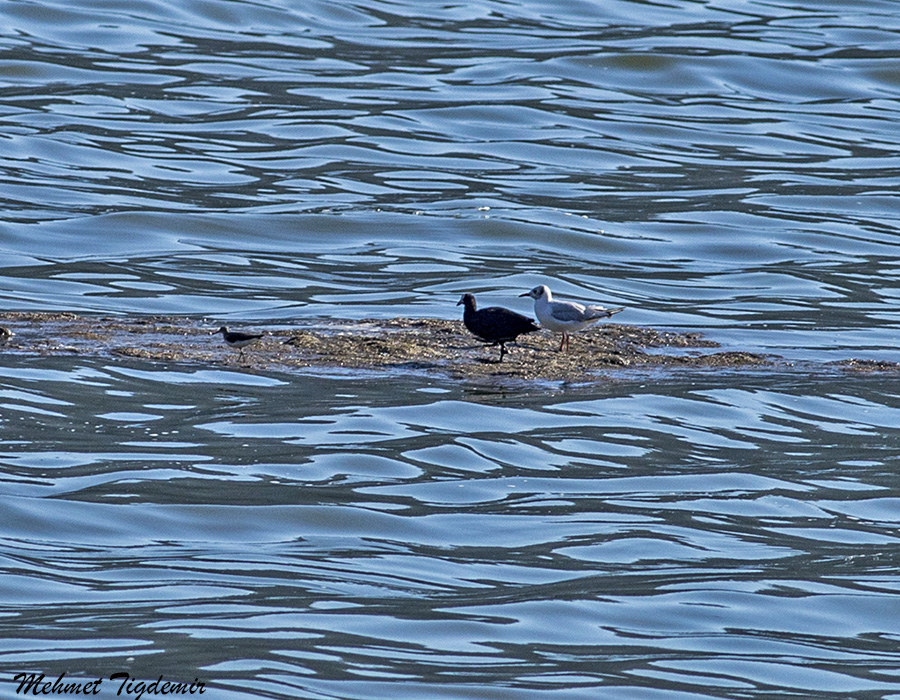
<point>564,316</point>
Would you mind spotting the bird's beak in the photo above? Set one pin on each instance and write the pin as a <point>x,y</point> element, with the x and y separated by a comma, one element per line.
<point>459,302</point>
<point>526,294</point>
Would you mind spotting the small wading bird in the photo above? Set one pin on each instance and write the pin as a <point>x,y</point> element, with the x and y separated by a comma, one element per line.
<point>564,316</point>
<point>238,340</point>
<point>495,325</point>
<point>5,334</point>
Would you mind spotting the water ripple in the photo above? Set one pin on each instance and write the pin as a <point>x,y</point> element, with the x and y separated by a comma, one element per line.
<point>723,166</point>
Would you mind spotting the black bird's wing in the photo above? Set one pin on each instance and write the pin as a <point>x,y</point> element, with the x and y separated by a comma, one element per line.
<point>496,324</point>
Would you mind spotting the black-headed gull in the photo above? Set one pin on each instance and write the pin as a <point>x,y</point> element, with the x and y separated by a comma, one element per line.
<point>564,316</point>
<point>495,325</point>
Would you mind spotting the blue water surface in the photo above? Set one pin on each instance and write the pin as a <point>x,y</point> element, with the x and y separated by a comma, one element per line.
<point>725,167</point>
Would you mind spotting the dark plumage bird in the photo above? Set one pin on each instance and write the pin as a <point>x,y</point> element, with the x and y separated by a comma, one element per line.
<point>238,340</point>
<point>495,325</point>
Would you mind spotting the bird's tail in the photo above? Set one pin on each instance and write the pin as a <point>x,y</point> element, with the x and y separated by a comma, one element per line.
<point>600,312</point>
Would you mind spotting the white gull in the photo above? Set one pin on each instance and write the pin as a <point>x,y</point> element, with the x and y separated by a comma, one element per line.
<point>564,316</point>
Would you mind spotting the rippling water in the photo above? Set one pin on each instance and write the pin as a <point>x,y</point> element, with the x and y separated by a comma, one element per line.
<point>729,167</point>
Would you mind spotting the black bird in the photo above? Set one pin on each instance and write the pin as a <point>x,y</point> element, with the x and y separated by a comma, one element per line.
<point>495,325</point>
<point>238,340</point>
